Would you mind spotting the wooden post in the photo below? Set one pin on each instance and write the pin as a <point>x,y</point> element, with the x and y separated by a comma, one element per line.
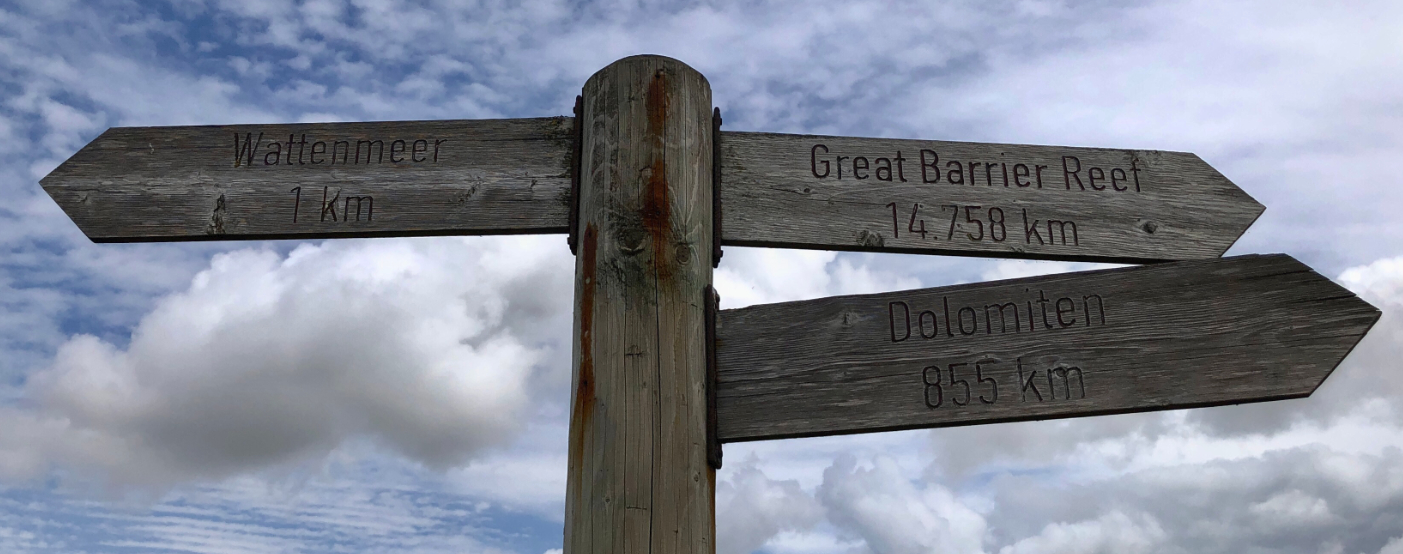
<point>638,474</point>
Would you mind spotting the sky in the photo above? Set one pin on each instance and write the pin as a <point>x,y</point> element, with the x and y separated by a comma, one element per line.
<point>411,395</point>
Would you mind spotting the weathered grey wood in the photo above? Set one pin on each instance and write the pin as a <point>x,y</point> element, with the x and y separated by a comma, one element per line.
<point>1183,335</point>
<point>638,477</point>
<point>421,178</point>
<point>1173,206</point>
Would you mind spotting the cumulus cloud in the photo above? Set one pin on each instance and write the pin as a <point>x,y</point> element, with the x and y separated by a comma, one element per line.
<point>752,509</point>
<point>762,275</point>
<point>1113,533</point>
<point>894,515</point>
<point>431,347</point>
<point>1297,500</point>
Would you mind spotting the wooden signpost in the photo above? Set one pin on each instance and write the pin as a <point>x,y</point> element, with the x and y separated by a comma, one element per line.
<point>1160,337</point>
<point>417,178</point>
<point>972,199</point>
<point>320,180</point>
<point>648,188</point>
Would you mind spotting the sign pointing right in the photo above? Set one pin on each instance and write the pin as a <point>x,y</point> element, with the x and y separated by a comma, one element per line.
<point>976,199</point>
<point>1168,336</point>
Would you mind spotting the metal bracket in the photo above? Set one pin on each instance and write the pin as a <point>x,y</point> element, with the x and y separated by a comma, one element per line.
<point>716,190</point>
<point>573,238</point>
<point>713,442</point>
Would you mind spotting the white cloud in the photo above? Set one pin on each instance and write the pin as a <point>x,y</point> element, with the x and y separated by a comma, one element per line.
<point>430,347</point>
<point>1113,533</point>
<point>1292,508</point>
<point>753,509</point>
<point>1014,269</point>
<point>750,276</point>
<point>895,516</point>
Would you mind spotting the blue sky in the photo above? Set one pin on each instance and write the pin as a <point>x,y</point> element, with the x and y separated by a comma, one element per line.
<point>191,398</point>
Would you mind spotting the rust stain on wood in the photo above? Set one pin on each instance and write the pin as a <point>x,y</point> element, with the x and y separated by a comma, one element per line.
<point>657,210</point>
<point>583,410</point>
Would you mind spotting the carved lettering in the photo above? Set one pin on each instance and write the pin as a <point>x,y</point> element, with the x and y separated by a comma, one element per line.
<point>1020,172</point>
<point>883,169</point>
<point>1003,318</point>
<point>952,381</point>
<point>369,203</point>
<point>934,324</point>
<point>1062,227</point>
<point>274,155</point>
<point>329,207</point>
<point>935,159</point>
<point>1026,384</point>
<point>1118,175</point>
<point>933,386</point>
<point>1065,372</point>
<point>1030,231</point>
<point>364,206</point>
<point>1093,174</point>
<point>956,174</point>
<point>960,381</point>
<point>397,150</point>
<point>370,146</point>
<point>244,154</point>
<point>296,202</point>
<point>301,149</point>
<point>1088,172</point>
<point>1070,173</point>
<point>814,161</point>
<point>905,320</point>
<point>345,147</point>
<point>1054,312</point>
<point>974,218</point>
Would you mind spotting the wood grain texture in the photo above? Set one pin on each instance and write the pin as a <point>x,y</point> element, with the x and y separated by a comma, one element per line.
<point>638,476</point>
<point>1171,206</point>
<point>420,178</point>
<point>1182,335</point>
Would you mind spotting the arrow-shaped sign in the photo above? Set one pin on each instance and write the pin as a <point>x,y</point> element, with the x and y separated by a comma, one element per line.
<point>1183,335</point>
<point>974,199</point>
<point>412,178</point>
<point>319,180</point>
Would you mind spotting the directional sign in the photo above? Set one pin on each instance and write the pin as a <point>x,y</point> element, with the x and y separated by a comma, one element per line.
<point>319,180</point>
<point>1184,335</point>
<point>973,199</point>
<point>414,178</point>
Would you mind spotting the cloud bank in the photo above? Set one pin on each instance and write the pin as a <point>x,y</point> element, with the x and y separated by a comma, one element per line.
<point>432,348</point>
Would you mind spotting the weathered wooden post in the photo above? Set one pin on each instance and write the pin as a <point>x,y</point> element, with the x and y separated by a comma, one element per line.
<point>639,480</point>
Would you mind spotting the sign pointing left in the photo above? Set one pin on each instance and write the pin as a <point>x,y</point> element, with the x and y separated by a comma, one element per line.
<point>322,180</point>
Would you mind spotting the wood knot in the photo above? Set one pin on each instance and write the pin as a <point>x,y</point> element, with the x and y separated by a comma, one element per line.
<point>869,239</point>
<point>631,240</point>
